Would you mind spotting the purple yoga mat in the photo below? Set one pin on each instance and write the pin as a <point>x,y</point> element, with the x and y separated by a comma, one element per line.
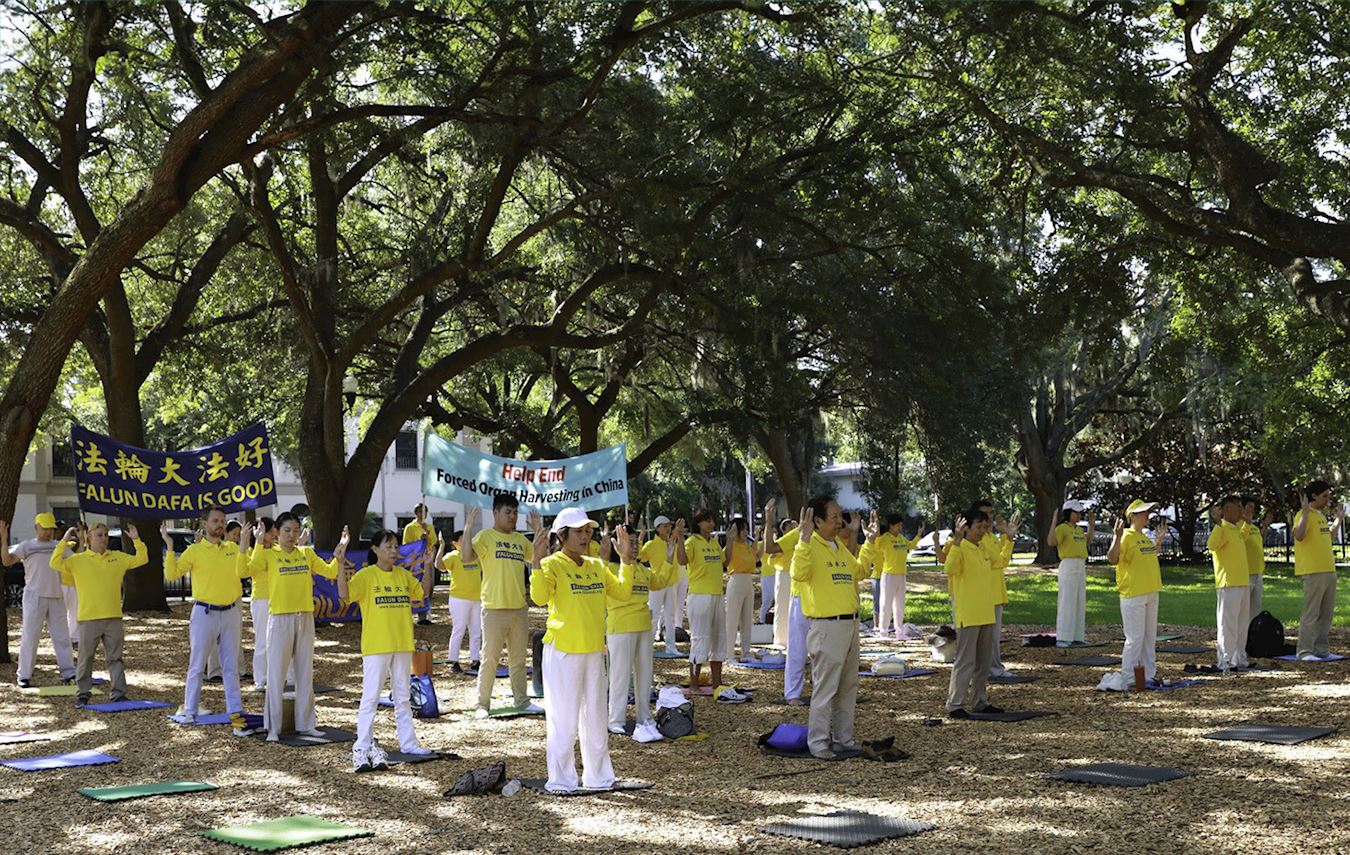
<point>224,718</point>
<point>913,672</point>
<point>60,761</point>
<point>127,706</point>
<point>1333,657</point>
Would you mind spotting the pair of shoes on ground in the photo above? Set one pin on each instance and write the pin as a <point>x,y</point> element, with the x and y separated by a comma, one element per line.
<point>369,759</point>
<point>725,694</point>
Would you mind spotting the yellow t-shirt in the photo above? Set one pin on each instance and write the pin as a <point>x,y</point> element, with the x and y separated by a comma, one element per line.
<point>829,576</point>
<point>259,579</point>
<point>290,576</point>
<point>214,568</point>
<point>414,531</point>
<point>974,583</point>
<point>654,553</point>
<point>634,613</point>
<point>742,558</point>
<point>1256,548</point>
<point>502,557</point>
<point>1137,571</point>
<point>1072,541</point>
<point>999,549</point>
<point>1228,549</point>
<point>575,595</point>
<point>97,577</point>
<point>705,565</point>
<point>466,580</point>
<point>1313,553</point>
<point>386,599</point>
<point>788,543</point>
<point>891,557</point>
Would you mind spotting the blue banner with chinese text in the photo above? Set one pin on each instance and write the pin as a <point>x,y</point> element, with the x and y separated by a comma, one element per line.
<point>122,480</point>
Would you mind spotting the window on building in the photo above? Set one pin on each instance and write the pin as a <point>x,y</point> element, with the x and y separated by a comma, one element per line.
<point>444,524</point>
<point>65,517</point>
<point>63,462</point>
<point>405,450</point>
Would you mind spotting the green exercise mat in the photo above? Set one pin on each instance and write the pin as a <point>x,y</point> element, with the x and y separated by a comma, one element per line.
<point>64,691</point>
<point>277,834</point>
<point>512,712</point>
<point>140,791</point>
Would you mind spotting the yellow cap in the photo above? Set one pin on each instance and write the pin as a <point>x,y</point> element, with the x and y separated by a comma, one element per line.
<point>44,521</point>
<point>1140,506</point>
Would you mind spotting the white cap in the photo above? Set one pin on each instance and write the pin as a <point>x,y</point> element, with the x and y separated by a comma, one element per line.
<point>571,518</point>
<point>660,521</point>
<point>1075,505</point>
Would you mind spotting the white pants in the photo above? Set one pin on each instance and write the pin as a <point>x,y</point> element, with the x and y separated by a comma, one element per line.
<point>376,668</point>
<point>258,610</point>
<point>782,605</point>
<point>1233,617</point>
<point>1071,615</point>
<point>996,661</point>
<point>740,618</point>
<point>707,629</point>
<point>72,611</point>
<point>667,606</point>
<point>1256,589</point>
<point>290,640</point>
<point>1139,617</point>
<point>630,655</point>
<point>574,700</point>
<point>37,613</point>
<point>794,670</point>
<point>207,631</point>
<point>891,611</point>
<point>213,666</point>
<point>465,615</point>
<point>767,584</point>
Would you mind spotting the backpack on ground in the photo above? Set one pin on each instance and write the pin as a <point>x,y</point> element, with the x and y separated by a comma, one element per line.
<point>1265,637</point>
<point>674,722</point>
<point>424,703</point>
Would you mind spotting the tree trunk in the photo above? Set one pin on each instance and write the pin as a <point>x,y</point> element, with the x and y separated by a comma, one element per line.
<point>793,477</point>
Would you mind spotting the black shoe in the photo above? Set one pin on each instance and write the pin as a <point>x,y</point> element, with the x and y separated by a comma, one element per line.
<point>68,681</point>
<point>81,700</point>
<point>455,669</point>
<point>247,675</point>
<point>25,684</point>
<point>215,679</point>
<point>958,714</point>
<point>424,621</point>
<point>475,666</point>
<point>990,709</point>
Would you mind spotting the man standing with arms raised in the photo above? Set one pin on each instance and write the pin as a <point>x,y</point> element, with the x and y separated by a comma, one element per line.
<point>213,563</point>
<point>42,599</point>
<point>502,553</point>
<point>1315,565</point>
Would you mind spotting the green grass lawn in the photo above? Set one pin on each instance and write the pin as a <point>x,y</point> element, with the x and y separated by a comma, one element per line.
<point>1187,598</point>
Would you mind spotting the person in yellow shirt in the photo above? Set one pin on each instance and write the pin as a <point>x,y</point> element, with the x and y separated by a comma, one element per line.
<point>96,575</point>
<point>829,574</point>
<point>214,566</point>
<point>257,606</point>
<point>386,594</point>
<point>890,559</point>
<point>768,577</point>
<point>575,587</point>
<point>420,529</point>
<point>290,570</point>
<point>667,604</point>
<point>1254,535</point>
<point>1072,545</point>
<point>503,556</point>
<point>780,560</point>
<point>975,573</point>
<point>741,555</point>
<point>1134,554</point>
<point>628,637</point>
<point>466,603</point>
<point>1315,566</point>
<point>707,611</point>
<point>795,624</point>
<point>1228,549</point>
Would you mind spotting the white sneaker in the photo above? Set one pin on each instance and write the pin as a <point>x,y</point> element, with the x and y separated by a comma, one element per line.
<point>1309,657</point>
<point>532,708</point>
<point>418,750</point>
<point>480,713</point>
<point>378,759</point>
<point>258,690</point>
<point>183,718</point>
<point>361,760</point>
<point>729,695</point>
<point>616,729</point>
<point>272,737</point>
<point>313,733</point>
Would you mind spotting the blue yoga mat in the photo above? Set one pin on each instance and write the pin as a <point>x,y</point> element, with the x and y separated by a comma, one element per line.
<point>1293,657</point>
<point>666,654</point>
<point>1175,684</point>
<point>761,666</point>
<point>127,706</point>
<point>60,761</point>
<point>914,672</point>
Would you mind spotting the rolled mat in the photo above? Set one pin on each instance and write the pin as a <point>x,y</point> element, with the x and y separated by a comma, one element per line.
<point>285,833</point>
<point>140,791</point>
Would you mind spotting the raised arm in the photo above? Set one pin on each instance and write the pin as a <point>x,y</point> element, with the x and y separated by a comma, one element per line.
<point>173,568</point>
<point>1301,525</point>
<point>7,558</point>
<point>1117,536</point>
<point>466,539</point>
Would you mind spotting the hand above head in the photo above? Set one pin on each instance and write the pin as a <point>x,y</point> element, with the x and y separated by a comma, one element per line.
<point>133,533</point>
<point>536,522</point>
<point>1303,499</point>
<point>1119,526</point>
<point>540,545</point>
<point>807,523</point>
<point>1092,518</point>
<point>164,533</point>
<point>959,528</point>
<point>679,529</point>
<point>627,548</point>
<point>72,535</point>
<point>769,507</point>
<point>345,538</point>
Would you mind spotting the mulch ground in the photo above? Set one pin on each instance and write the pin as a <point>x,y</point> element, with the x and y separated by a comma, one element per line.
<point>982,783</point>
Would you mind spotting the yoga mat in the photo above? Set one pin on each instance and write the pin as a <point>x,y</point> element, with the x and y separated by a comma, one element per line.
<point>319,689</point>
<point>1010,679</point>
<point>221,718</point>
<point>1273,733</point>
<point>64,691</point>
<point>913,672</point>
<point>294,740</point>
<point>140,791</point>
<point>782,702</point>
<point>847,829</point>
<point>1173,684</point>
<point>666,654</point>
<point>127,706</point>
<point>620,785</point>
<point>14,737</point>
<point>1331,657</point>
<point>513,712</point>
<point>1009,715</point>
<point>396,757</point>
<point>761,666</point>
<point>502,671</point>
<point>60,761</point>
<point>285,833</point>
<point>1079,645</point>
<point>1094,661</point>
<point>1169,637</point>
<point>1187,649</point>
<point>1118,775</point>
